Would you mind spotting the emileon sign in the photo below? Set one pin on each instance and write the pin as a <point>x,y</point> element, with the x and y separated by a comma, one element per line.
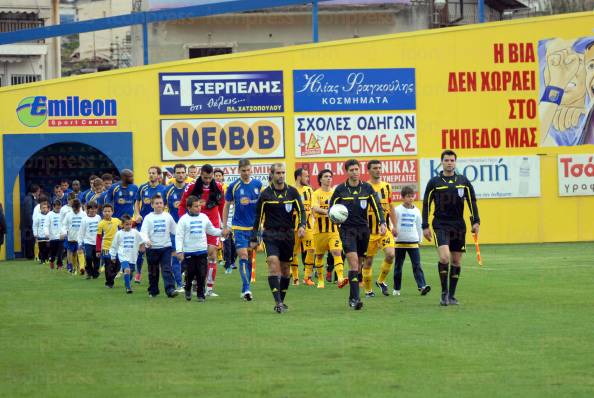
<point>69,111</point>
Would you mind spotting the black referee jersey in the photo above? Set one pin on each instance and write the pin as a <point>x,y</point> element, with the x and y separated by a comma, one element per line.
<point>276,208</point>
<point>357,199</point>
<point>449,195</point>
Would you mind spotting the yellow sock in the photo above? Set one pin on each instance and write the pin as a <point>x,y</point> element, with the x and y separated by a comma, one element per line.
<point>36,250</point>
<point>81,261</point>
<point>320,271</point>
<point>367,278</point>
<point>219,255</point>
<point>309,263</point>
<point>384,271</point>
<point>339,267</point>
<point>295,271</point>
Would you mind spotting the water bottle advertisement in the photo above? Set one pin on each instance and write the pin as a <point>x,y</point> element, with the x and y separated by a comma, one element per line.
<point>493,177</point>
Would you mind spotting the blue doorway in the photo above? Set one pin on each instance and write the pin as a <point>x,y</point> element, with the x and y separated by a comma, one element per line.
<point>20,148</point>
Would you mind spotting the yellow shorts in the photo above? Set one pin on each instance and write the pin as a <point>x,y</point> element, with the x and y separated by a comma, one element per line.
<point>379,242</point>
<point>326,241</point>
<point>307,241</point>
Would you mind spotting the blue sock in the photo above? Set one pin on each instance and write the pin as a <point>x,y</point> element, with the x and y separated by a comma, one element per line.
<point>250,270</point>
<point>245,279</point>
<point>139,262</point>
<point>69,267</point>
<point>127,281</point>
<point>176,269</point>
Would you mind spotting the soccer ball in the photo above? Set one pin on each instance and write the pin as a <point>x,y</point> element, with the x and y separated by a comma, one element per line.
<point>338,214</point>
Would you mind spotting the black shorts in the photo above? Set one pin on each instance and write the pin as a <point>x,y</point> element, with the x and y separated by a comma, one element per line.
<point>452,235</point>
<point>280,246</point>
<point>355,239</point>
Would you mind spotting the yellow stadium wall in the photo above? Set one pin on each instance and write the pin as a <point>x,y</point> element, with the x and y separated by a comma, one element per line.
<point>433,54</point>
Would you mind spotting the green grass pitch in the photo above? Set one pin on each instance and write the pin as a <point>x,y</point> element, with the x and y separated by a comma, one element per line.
<point>525,328</point>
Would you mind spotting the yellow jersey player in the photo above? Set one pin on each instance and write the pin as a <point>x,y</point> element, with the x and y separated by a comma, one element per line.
<point>305,244</point>
<point>326,237</point>
<point>376,240</point>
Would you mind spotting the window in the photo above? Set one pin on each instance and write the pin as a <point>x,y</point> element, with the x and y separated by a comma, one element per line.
<point>209,51</point>
<point>22,79</point>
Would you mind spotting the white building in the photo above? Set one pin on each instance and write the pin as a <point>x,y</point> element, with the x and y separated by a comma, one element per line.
<point>31,61</point>
<point>111,45</point>
<point>279,27</point>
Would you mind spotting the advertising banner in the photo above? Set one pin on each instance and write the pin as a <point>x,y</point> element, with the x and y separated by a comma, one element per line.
<point>208,139</point>
<point>221,92</point>
<point>576,175</point>
<point>389,134</point>
<point>493,177</point>
<point>354,89</point>
<point>399,173</point>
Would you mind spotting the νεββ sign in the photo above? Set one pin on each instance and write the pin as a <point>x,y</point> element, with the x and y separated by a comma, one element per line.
<point>576,175</point>
<point>493,177</point>
<point>354,89</point>
<point>207,139</point>
<point>386,134</point>
<point>221,92</point>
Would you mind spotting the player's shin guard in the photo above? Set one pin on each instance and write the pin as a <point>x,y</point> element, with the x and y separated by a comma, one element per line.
<point>284,286</point>
<point>367,277</point>
<point>354,285</point>
<point>384,271</point>
<point>275,288</point>
<point>211,274</point>
<point>127,280</point>
<point>309,264</point>
<point>339,267</point>
<point>295,266</point>
<point>443,276</point>
<point>454,277</point>
<point>246,275</point>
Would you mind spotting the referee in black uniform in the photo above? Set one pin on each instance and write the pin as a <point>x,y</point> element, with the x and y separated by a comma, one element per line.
<point>275,206</point>
<point>356,195</point>
<point>449,191</point>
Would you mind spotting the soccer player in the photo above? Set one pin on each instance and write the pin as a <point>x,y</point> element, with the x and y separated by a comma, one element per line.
<point>191,237</point>
<point>59,195</point>
<point>128,242</point>
<point>173,195</point>
<point>243,194</point>
<point>54,227</point>
<point>357,196</point>
<point>76,188</point>
<point>87,240</point>
<point>123,194</point>
<point>94,193</point>
<point>82,195</point>
<point>408,236</point>
<point>326,237</point>
<point>107,181</point>
<point>41,231</point>
<point>157,228</point>
<point>192,172</point>
<point>106,231</point>
<point>211,192</point>
<point>143,206</point>
<point>71,229</point>
<point>275,209</point>
<point>305,244</point>
<point>449,190</point>
<point>65,187</point>
<point>377,241</point>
